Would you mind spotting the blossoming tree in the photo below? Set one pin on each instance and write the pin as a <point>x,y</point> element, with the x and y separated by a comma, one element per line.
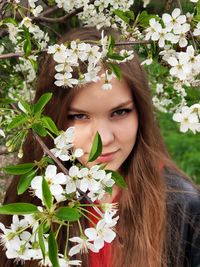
<point>27,30</point>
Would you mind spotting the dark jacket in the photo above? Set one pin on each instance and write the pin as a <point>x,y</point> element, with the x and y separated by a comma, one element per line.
<point>183,209</point>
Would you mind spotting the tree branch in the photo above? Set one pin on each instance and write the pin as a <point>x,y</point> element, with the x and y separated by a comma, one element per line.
<point>128,43</point>
<point>61,19</point>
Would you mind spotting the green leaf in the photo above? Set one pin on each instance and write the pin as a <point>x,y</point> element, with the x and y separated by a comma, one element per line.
<point>41,103</point>
<point>124,15</point>
<point>25,181</point>
<point>197,18</point>
<point>19,169</point>
<point>119,180</point>
<point>96,148</point>
<point>109,190</point>
<point>50,125</point>
<point>27,47</point>
<point>18,208</point>
<point>67,214</point>
<point>116,70</point>
<point>41,240</point>
<point>198,7</point>
<point>144,18</point>
<point>115,56</point>
<point>10,20</point>
<point>17,121</point>
<point>53,249</point>
<point>39,129</point>
<point>111,44</point>
<point>25,105</point>
<point>46,194</point>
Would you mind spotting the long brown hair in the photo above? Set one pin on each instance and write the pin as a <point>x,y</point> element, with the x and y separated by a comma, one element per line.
<point>141,229</point>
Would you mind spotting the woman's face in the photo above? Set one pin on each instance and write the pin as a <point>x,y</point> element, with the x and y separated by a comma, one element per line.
<point>110,112</point>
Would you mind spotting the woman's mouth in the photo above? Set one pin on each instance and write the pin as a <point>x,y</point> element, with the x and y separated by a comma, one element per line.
<point>106,157</point>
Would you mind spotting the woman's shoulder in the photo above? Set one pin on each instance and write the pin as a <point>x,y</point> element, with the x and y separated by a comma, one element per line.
<point>181,191</point>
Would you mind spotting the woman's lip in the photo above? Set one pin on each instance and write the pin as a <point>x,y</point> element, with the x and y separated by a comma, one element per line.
<point>105,157</point>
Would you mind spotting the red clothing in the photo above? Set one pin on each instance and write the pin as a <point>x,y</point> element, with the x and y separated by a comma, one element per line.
<point>103,257</point>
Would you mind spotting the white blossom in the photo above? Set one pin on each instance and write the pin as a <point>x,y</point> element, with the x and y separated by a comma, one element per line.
<point>54,179</point>
<point>188,120</point>
<point>102,233</point>
<point>83,245</point>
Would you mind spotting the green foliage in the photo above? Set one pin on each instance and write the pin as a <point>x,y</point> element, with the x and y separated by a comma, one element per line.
<point>46,194</point>
<point>19,169</point>
<point>25,181</point>
<point>119,180</point>
<point>18,209</point>
<point>68,214</point>
<point>53,249</point>
<point>184,148</point>
<point>96,148</point>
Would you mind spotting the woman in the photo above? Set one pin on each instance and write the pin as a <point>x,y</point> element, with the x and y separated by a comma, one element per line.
<point>160,212</point>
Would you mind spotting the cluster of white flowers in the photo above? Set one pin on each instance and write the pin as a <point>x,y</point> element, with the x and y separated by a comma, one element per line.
<point>18,241</point>
<point>174,30</point>
<point>94,181</point>
<point>27,68</point>
<point>99,14</point>
<point>94,237</point>
<point>161,99</point>
<point>21,240</point>
<point>185,65</point>
<point>69,57</point>
<point>35,10</point>
<point>39,36</point>
<point>64,144</point>
<point>189,118</point>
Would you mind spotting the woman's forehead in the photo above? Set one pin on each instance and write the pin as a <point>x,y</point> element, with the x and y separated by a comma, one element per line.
<point>92,95</point>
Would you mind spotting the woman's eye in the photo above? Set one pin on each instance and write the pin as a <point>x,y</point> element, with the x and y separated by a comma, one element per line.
<point>121,112</point>
<point>76,117</point>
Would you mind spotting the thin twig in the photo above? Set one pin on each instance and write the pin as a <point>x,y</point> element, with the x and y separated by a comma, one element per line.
<point>61,19</point>
<point>45,13</point>
<point>128,43</point>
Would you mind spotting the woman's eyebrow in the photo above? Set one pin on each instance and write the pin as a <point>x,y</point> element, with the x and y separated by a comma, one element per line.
<point>121,105</point>
<point>71,109</point>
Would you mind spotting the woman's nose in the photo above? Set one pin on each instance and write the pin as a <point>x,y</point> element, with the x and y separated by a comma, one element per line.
<point>106,132</point>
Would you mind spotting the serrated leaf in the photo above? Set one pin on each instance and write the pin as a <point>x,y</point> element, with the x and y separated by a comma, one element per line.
<point>39,129</point>
<point>53,249</point>
<point>25,181</point>
<point>18,209</point>
<point>116,70</point>
<point>41,240</point>
<point>96,148</point>
<point>50,125</point>
<point>46,194</point>
<point>119,180</point>
<point>41,103</point>
<point>19,169</point>
<point>67,214</point>
<point>17,121</point>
